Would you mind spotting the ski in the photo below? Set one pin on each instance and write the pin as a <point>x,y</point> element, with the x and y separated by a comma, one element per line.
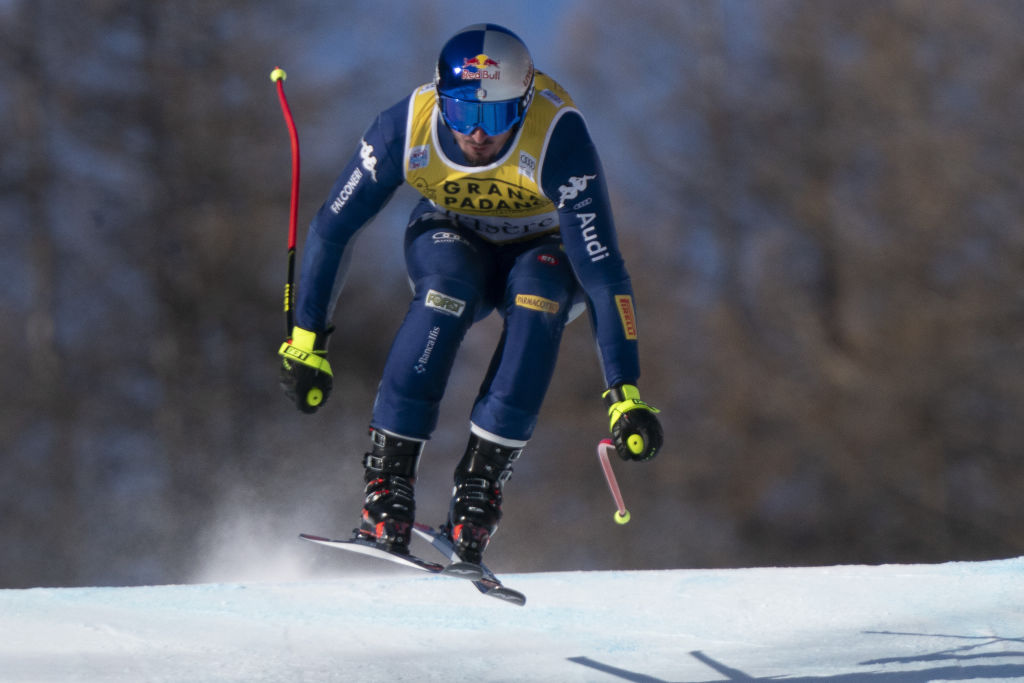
<point>481,577</point>
<point>456,569</point>
<point>488,584</point>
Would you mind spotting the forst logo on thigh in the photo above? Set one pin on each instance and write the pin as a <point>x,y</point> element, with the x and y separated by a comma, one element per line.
<point>444,303</point>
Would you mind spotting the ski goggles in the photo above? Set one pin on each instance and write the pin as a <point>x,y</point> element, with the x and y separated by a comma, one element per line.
<point>493,118</point>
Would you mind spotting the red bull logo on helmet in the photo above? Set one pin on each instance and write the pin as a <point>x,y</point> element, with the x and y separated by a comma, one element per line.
<point>480,67</point>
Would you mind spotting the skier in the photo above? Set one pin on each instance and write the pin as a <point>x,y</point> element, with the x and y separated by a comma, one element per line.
<point>514,217</point>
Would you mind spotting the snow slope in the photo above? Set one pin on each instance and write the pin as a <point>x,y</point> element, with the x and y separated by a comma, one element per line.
<point>958,621</point>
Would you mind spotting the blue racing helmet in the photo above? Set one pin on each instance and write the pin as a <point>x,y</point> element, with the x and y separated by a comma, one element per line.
<point>484,79</point>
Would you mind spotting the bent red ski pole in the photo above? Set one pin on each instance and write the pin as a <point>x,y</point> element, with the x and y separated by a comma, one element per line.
<point>604,451</point>
<point>278,76</point>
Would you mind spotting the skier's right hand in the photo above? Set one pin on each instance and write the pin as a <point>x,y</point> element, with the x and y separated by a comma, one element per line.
<point>306,375</point>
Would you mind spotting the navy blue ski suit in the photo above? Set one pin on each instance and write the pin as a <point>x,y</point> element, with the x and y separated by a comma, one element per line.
<point>469,251</point>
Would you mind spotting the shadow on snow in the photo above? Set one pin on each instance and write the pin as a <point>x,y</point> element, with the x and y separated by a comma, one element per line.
<point>952,672</point>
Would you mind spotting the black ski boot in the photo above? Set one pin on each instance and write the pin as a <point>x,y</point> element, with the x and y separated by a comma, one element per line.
<point>476,501</point>
<point>389,508</point>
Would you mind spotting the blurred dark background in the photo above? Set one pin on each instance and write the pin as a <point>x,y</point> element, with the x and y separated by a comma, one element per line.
<point>820,203</point>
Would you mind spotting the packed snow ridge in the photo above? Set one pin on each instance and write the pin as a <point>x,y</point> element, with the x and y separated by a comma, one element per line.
<point>956,621</point>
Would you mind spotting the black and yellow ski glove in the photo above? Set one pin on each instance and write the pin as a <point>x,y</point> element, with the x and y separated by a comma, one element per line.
<point>636,432</point>
<point>305,373</point>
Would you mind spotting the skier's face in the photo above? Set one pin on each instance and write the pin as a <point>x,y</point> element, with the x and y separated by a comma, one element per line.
<point>479,147</point>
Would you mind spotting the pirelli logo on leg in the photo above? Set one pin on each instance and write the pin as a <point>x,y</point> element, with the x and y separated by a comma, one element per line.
<point>444,303</point>
<point>624,303</point>
<point>536,303</point>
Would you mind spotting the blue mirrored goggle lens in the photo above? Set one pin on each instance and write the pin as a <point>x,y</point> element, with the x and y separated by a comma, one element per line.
<point>493,117</point>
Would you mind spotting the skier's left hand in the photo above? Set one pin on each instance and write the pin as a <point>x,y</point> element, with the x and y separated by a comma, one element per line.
<point>636,432</point>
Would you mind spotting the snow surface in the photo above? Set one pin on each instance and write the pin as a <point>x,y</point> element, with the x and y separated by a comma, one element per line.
<point>957,621</point>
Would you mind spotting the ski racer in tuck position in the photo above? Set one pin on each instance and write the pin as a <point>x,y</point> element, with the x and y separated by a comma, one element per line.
<point>514,217</point>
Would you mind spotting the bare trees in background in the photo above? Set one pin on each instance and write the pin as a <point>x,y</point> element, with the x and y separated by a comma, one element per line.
<point>848,271</point>
<point>133,173</point>
<point>820,204</point>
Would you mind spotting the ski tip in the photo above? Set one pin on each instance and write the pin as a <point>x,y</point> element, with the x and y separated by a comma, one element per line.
<point>508,595</point>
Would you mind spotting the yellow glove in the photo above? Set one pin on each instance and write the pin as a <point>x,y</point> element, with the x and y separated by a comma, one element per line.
<point>306,375</point>
<point>636,432</point>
